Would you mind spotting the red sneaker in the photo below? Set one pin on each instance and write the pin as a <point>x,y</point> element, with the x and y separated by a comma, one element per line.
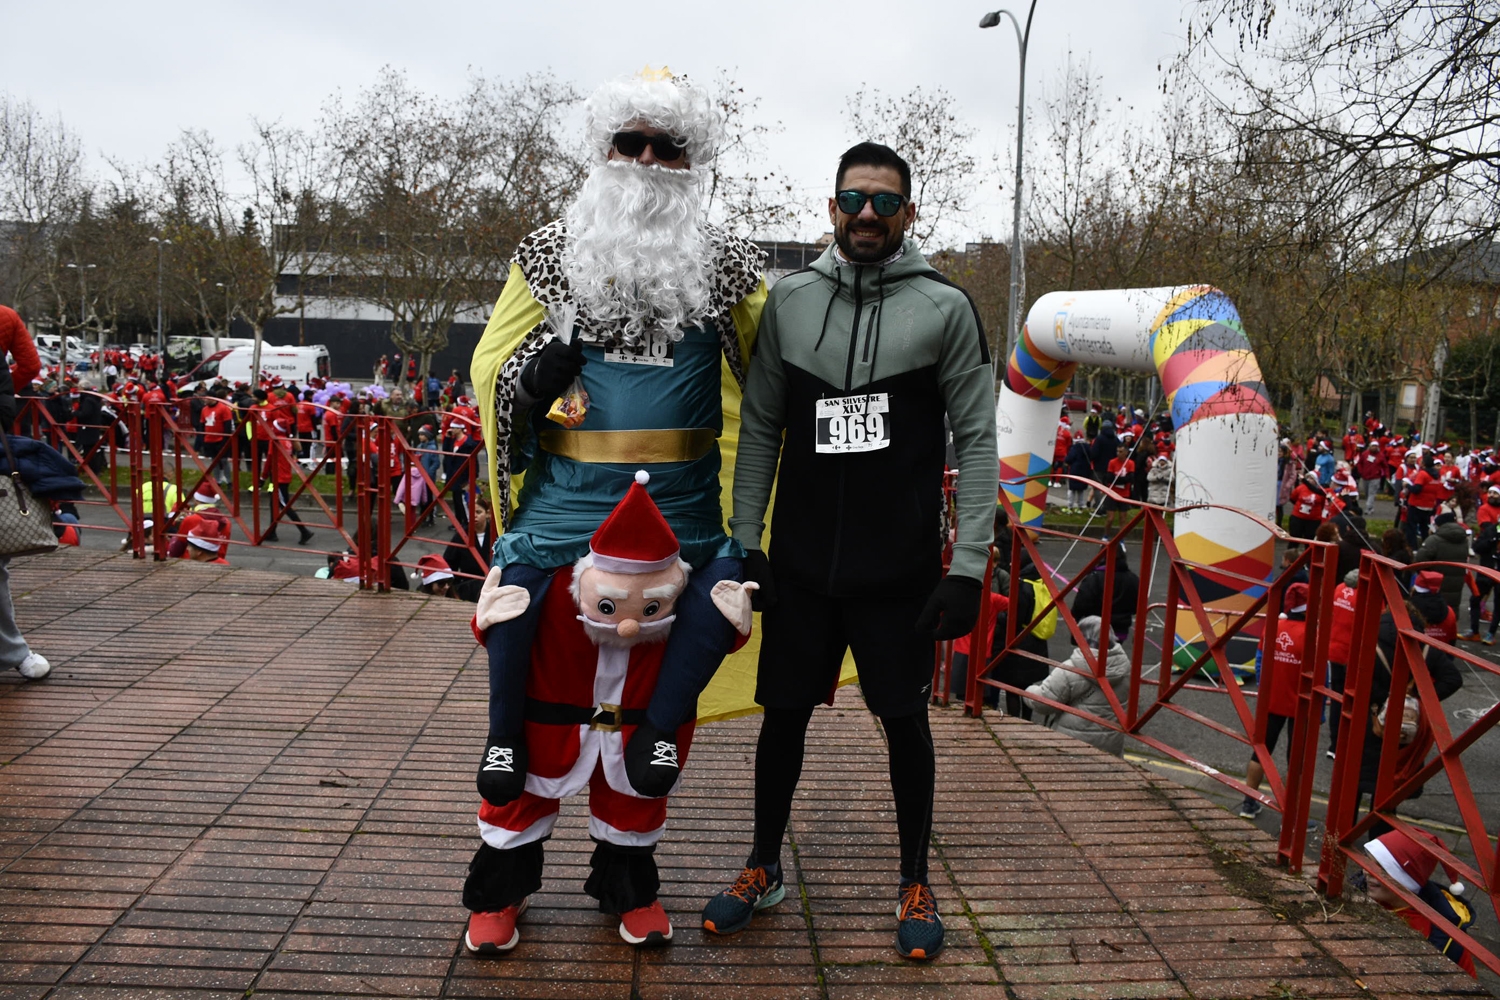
<point>495,932</point>
<point>646,927</point>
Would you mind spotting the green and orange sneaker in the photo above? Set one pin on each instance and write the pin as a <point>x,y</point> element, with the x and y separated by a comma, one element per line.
<point>919,929</point>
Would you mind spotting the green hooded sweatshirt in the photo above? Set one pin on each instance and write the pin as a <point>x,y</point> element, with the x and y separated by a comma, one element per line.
<point>855,368</point>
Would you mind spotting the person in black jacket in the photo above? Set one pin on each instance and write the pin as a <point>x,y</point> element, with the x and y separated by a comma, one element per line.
<point>1432,614</point>
<point>462,561</point>
<point>1079,462</point>
<point>14,652</point>
<point>1088,599</point>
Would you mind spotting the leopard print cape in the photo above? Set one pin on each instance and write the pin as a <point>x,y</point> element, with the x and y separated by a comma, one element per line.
<point>734,272</point>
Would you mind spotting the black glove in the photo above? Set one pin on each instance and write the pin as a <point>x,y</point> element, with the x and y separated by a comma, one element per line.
<point>502,771</point>
<point>651,760</point>
<point>549,374</point>
<point>955,600</point>
<point>758,570</point>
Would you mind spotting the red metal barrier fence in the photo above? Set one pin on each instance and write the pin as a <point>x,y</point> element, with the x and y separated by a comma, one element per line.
<point>1402,770</point>
<point>139,458</point>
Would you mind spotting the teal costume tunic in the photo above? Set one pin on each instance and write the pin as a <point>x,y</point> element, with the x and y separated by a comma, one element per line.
<point>562,501</point>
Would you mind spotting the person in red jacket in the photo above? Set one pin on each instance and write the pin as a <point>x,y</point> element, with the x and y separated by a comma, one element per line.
<point>15,338</point>
<point>1369,469</point>
<point>1411,866</point>
<point>1487,547</point>
<point>1354,442</point>
<point>1280,670</point>
<point>1422,489</point>
<point>280,464</point>
<point>1340,638</point>
<point>1307,507</point>
<point>1060,448</point>
<point>218,425</point>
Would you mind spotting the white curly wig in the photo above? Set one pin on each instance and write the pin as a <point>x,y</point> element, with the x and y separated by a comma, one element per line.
<point>669,103</point>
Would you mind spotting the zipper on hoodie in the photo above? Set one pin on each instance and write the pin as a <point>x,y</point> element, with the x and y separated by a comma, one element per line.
<point>838,517</point>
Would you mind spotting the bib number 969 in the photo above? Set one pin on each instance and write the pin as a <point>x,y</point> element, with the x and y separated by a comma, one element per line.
<point>852,423</point>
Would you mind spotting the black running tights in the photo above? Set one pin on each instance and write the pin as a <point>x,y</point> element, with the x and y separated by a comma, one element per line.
<point>778,766</point>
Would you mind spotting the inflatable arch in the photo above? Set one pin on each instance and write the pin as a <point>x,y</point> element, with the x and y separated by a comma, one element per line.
<point>1226,432</point>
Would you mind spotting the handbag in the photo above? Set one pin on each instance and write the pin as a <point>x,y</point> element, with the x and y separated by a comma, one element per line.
<point>25,525</point>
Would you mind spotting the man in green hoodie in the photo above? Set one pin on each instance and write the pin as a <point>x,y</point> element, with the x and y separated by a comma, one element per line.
<point>861,357</point>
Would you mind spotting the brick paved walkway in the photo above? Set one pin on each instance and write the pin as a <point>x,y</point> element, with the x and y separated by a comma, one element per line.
<point>243,783</point>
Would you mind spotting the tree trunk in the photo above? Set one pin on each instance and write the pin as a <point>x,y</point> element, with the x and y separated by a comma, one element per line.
<point>259,329</point>
<point>1299,395</point>
<point>1432,415</point>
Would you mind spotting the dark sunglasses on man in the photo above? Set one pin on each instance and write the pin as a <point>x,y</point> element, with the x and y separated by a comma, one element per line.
<point>853,202</point>
<point>633,144</point>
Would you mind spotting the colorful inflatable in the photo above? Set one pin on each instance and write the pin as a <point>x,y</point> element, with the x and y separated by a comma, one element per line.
<point>1192,337</point>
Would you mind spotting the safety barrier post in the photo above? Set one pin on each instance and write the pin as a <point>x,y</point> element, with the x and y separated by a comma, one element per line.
<point>137,480</point>
<point>1302,754</point>
<point>358,451</point>
<point>158,494</point>
<point>979,640</point>
<point>382,527</point>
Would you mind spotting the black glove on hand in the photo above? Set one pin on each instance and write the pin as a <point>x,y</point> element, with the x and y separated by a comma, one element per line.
<point>955,600</point>
<point>758,570</point>
<point>502,771</point>
<point>549,374</point>
<point>651,760</point>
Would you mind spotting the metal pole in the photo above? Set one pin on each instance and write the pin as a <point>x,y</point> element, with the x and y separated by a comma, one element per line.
<point>1017,265</point>
<point>158,297</point>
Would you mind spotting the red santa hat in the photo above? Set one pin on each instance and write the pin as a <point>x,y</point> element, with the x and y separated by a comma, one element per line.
<point>635,538</point>
<point>1408,864</point>
<point>205,535</point>
<point>462,401</point>
<point>1428,581</point>
<point>206,492</point>
<point>280,424</point>
<point>433,568</point>
<point>1295,599</point>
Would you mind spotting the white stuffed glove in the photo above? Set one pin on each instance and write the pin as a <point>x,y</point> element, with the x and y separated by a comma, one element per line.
<point>499,604</point>
<point>733,600</point>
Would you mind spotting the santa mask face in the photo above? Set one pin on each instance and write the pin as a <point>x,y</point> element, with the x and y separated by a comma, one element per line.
<point>622,609</point>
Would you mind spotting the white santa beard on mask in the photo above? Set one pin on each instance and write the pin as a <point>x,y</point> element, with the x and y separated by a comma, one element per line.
<point>605,634</point>
<point>635,248</point>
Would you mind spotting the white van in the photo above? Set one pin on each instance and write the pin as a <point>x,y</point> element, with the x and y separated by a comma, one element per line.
<point>293,364</point>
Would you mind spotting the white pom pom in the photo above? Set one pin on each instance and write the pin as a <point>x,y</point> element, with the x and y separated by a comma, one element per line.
<point>642,476</point>
<point>1458,888</point>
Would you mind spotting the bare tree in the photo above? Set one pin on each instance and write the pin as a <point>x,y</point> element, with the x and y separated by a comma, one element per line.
<point>925,127</point>
<point>1396,96</point>
<point>41,191</point>
<point>440,193</point>
<point>745,194</point>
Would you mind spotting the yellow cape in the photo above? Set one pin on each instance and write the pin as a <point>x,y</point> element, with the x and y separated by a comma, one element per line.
<point>517,314</point>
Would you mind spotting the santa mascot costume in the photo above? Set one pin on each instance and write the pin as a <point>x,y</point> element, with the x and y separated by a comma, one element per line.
<point>619,343</point>
<point>595,664</point>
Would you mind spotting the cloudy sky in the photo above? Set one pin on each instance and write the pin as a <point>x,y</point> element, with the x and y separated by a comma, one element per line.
<point>128,77</point>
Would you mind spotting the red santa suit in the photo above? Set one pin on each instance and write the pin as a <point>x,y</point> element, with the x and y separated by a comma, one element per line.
<point>570,672</point>
<point>588,685</point>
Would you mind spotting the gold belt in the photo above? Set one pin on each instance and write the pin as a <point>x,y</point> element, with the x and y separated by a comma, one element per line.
<point>630,447</point>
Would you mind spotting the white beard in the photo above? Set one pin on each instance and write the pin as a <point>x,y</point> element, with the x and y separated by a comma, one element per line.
<point>605,634</point>
<point>635,252</point>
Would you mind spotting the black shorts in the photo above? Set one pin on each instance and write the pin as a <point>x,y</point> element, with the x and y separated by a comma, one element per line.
<point>803,640</point>
<point>1274,725</point>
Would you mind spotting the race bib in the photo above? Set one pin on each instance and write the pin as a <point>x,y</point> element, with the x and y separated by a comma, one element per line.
<point>852,423</point>
<point>655,348</point>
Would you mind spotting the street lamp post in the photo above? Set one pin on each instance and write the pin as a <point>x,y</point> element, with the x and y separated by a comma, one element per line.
<point>1017,266</point>
<point>160,343</point>
<point>223,285</point>
<point>83,314</point>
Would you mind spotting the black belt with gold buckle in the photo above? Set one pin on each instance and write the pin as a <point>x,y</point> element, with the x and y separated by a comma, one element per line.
<point>605,718</point>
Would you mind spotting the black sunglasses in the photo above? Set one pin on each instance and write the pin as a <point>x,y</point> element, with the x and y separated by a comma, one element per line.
<point>853,202</point>
<point>633,144</point>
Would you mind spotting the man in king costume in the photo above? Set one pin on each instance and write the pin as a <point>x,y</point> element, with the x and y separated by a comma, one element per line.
<point>618,344</point>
